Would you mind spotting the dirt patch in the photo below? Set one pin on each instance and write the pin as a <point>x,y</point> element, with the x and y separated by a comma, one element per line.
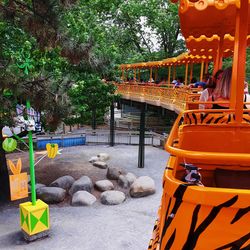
<point>73,161</point>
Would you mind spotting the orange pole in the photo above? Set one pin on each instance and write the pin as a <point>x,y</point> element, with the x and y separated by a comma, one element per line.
<point>134,75</point>
<point>202,70</point>
<point>219,56</point>
<point>169,74</point>
<point>239,60</point>
<point>206,67</point>
<point>186,74</point>
<point>156,74</point>
<point>139,75</point>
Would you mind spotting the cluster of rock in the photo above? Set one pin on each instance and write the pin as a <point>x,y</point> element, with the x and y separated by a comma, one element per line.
<point>81,189</point>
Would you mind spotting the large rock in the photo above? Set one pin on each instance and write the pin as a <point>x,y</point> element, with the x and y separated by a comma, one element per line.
<point>51,194</point>
<point>103,156</point>
<point>104,185</point>
<point>113,173</point>
<point>83,198</point>
<point>123,181</point>
<point>131,178</point>
<point>64,182</point>
<point>100,164</point>
<point>38,185</point>
<point>84,183</point>
<point>143,186</point>
<point>112,197</point>
<point>93,159</point>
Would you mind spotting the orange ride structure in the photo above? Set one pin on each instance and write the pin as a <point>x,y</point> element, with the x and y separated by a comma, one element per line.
<point>215,215</point>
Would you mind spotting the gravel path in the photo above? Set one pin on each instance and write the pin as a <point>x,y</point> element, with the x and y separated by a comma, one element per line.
<point>123,227</point>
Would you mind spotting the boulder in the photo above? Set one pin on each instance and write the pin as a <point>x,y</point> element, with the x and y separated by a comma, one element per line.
<point>38,185</point>
<point>112,197</point>
<point>84,183</point>
<point>83,198</point>
<point>123,181</point>
<point>100,164</point>
<point>64,182</point>
<point>93,159</point>
<point>103,156</point>
<point>113,173</point>
<point>131,178</point>
<point>51,194</point>
<point>104,185</point>
<point>142,186</point>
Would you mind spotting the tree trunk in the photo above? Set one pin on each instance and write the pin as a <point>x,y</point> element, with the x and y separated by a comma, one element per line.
<point>4,174</point>
<point>94,119</point>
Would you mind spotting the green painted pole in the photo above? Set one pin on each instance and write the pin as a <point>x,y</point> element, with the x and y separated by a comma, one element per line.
<point>32,164</point>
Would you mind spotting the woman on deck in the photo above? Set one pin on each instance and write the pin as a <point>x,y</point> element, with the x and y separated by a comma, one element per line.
<point>222,92</point>
<point>211,84</point>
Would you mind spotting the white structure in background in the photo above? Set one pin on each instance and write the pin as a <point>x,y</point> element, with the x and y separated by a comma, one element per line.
<point>32,123</point>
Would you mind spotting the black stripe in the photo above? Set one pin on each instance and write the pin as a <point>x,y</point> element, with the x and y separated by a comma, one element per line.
<point>218,119</point>
<point>170,241</point>
<point>210,120</point>
<point>169,168</point>
<point>190,121</point>
<point>203,117</point>
<point>189,243</point>
<point>246,120</point>
<point>166,216</point>
<point>229,118</point>
<point>236,245</point>
<point>179,193</point>
<point>193,238</point>
<point>240,214</point>
<point>195,118</point>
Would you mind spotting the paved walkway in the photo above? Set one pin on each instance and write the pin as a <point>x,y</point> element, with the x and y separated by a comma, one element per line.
<point>123,227</point>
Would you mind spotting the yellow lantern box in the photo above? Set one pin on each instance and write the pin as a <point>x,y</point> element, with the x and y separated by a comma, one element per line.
<point>34,219</point>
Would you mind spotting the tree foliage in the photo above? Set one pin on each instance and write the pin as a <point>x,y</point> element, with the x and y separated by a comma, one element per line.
<point>91,96</point>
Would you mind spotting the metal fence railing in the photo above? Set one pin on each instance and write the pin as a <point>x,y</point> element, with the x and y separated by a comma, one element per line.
<point>103,137</point>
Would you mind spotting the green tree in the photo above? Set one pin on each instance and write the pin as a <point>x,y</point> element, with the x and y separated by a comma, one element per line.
<point>26,72</point>
<point>91,97</point>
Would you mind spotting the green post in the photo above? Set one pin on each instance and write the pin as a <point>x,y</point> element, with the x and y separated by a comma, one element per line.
<point>32,165</point>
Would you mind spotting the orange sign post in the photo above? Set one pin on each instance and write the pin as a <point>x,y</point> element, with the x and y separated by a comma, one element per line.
<point>18,181</point>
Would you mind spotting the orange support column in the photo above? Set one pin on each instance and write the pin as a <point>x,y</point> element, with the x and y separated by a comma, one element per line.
<point>151,75</point>
<point>202,70</point>
<point>239,60</point>
<point>186,74</point>
<point>206,67</point>
<point>169,74</point>
<point>156,74</point>
<point>134,75</point>
<point>219,56</point>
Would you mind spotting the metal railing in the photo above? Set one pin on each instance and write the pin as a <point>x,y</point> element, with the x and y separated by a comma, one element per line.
<point>166,96</point>
<point>103,137</point>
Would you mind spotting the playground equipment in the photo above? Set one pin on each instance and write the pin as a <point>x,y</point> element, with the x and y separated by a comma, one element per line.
<point>34,215</point>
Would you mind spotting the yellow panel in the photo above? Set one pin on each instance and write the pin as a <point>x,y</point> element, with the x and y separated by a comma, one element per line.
<point>24,224</point>
<point>35,218</point>
<point>40,227</point>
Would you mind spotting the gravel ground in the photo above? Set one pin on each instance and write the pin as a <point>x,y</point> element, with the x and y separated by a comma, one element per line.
<point>127,226</point>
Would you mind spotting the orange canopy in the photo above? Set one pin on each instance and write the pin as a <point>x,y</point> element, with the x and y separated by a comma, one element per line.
<point>208,17</point>
<point>182,59</point>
